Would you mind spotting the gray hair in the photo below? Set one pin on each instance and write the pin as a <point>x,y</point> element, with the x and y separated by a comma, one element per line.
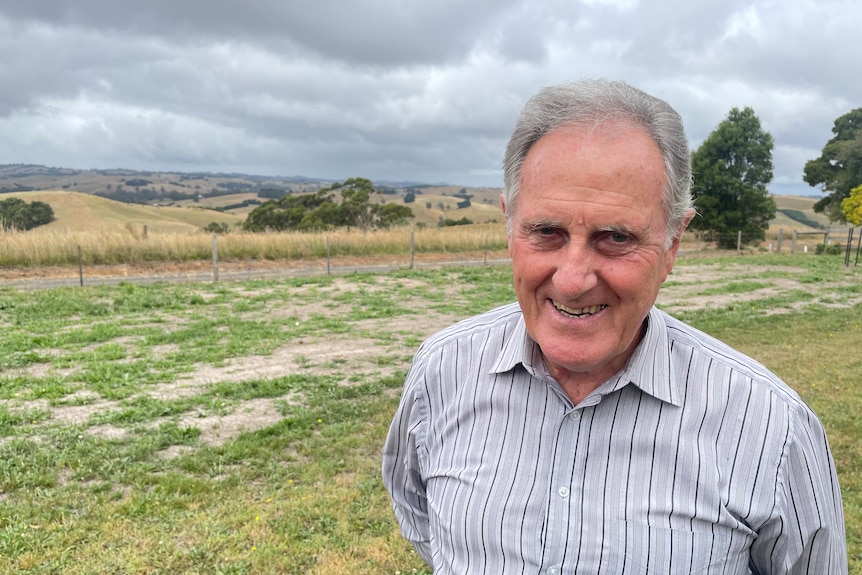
<point>593,102</point>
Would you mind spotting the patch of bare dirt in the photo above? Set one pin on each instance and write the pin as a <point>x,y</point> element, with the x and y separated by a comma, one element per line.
<point>107,431</point>
<point>248,416</point>
<point>80,414</point>
<point>683,292</point>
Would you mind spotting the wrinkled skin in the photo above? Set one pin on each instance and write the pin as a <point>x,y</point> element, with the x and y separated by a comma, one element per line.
<point>588,248</point>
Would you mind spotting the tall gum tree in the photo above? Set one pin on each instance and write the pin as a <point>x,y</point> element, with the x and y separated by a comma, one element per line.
<point>839,167</point>
<point>732,169</point>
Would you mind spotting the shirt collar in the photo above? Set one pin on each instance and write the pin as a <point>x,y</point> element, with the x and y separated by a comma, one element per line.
<point>649,368</point>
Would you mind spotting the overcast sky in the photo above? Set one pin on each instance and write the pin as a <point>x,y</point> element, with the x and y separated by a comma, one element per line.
<point>398,90</point>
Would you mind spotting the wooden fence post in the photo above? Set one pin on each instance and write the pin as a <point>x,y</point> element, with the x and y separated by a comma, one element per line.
<point>215,258</point>
<point>412,247</point>
<point>328,259</point>
<point>80,266</point>
<point>738,242</point>
<point>485,260</point>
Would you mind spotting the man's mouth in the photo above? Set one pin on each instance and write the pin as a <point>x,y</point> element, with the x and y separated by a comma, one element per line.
<point>579,311</point>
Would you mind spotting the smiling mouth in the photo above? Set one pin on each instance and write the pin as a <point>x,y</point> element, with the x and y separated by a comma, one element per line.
<point>579,312</point>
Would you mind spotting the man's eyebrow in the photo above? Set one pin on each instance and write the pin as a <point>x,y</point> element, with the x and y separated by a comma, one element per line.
<point>541,223</point>
<point>615,228</point>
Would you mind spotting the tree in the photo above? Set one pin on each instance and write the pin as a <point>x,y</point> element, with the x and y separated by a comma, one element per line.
<point>16,214</point>
<point>851,206</point>
<point>286,213</point>
<point>319,211</point>
<point>731,171</point>
<point>839,167</point>
<point>355,196</point>
<point>393,215</point>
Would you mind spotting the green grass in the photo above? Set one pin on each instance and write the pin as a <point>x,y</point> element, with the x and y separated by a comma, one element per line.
<point>136,483</point>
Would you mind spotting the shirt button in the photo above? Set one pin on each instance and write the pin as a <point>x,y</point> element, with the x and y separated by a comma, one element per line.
<point>575,415</point>
<point>563,491</point>
<point>553,571</point>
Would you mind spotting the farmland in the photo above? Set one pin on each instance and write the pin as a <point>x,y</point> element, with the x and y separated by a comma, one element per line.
<point>236,427</point>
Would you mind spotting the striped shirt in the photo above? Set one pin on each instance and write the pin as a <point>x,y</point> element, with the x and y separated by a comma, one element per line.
<point>693,459</point>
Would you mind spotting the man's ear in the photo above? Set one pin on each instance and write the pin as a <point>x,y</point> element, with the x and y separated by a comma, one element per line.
<point>688,217</point>
<point>503,203</point>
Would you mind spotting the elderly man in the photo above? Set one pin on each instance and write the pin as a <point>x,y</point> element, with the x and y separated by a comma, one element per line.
<point>582,430</point>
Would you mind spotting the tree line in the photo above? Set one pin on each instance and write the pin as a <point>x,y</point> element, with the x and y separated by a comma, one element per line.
<point>16,214</point>
<point>346,204</point>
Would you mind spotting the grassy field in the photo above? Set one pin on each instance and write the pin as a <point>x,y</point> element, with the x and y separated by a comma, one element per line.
<point>236,427</point>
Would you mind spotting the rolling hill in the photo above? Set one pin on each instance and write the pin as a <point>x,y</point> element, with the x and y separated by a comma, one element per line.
<point>87,199</point>
<point>797,213</point>
<point>76,211</point>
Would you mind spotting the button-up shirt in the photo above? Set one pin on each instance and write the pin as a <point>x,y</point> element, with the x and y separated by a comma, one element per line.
<point>692,459</point>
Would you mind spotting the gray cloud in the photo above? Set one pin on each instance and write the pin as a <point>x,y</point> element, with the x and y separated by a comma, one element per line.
<point>397,89</point>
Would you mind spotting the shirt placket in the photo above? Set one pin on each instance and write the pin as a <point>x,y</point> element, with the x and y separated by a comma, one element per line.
<point>563,514</point>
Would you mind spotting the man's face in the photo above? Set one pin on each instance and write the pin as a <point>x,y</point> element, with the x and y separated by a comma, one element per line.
<point>587,246</point>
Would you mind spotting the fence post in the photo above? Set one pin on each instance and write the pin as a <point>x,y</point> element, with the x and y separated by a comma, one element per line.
<point>780,237</point>
<point>80,267</point>
<point>849,248</point>
<point>485,260</point>
<point>858,245</point>
<point>215,257</point>
<point>328,259</point>
<point>412,245</point>
<point>793,243</point>
<point>739,242</point>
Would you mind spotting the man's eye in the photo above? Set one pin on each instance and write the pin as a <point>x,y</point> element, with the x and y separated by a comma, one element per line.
<point>615,243</point>
<point>546,231</point>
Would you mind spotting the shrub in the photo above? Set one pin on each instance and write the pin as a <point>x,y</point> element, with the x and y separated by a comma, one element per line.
<point>217,228</point>
<point>446,222</point>
<point>830,250</point>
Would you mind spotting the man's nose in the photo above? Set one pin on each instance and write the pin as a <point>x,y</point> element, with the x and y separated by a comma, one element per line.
<point>576,270</point>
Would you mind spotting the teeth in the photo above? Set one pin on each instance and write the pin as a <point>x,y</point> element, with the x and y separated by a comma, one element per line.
<point>578,312</point>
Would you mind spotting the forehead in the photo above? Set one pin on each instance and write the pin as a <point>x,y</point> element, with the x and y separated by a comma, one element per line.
<point>614,166</point>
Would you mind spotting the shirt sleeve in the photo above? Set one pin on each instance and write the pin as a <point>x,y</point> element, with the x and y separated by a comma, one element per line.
<point>806,536</point>
<point>402,464</point>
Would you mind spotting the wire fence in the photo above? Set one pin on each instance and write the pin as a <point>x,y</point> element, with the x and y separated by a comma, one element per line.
<point>795,241</point>
<point>331,262</point>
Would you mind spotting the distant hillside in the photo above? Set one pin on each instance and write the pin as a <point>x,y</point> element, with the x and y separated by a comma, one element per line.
<point>75,211</point>
<point>238,194</point>
<point>201,198</point>
<point>797,213</point>
<point>29,177</point>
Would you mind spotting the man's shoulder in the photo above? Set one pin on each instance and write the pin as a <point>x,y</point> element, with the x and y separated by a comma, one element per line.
<point>684,336</point>
<point>501,319</point>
